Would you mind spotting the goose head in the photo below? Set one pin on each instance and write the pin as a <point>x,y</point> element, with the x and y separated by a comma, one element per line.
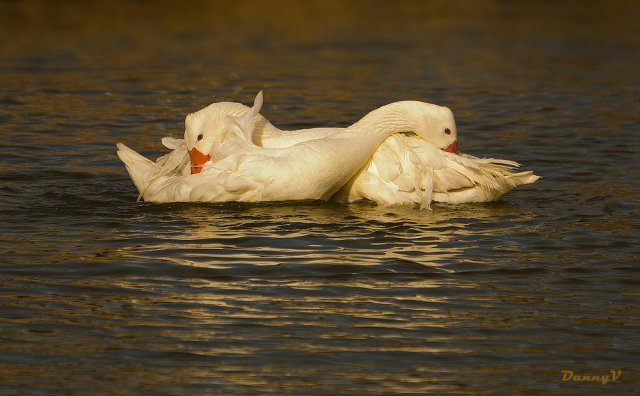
<point>438,127</point>
<point>206,128</point>
<point>432,123</point>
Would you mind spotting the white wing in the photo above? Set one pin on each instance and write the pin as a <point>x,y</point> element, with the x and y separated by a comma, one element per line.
<point>409,170</point>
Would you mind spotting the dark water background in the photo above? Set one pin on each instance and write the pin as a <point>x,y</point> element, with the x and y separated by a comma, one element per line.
<point>100,294</point>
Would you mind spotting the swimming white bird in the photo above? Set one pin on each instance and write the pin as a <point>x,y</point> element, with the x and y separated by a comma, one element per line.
<point>235,154</point>
<point>408,170</point>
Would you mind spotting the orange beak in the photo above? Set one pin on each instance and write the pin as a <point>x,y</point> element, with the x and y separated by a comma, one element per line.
<point>452,148</point>
<point>197,160</point>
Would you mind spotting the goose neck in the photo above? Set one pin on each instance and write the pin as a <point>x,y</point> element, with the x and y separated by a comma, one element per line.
<point>390,119</point>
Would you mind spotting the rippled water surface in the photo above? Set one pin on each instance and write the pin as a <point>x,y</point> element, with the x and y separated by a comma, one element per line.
<point>103,294</point>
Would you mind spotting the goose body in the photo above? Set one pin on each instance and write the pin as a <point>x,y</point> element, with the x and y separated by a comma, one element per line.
<point>408,170</point>
<point>232,153</point>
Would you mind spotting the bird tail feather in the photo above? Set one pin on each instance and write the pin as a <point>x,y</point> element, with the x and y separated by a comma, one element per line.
<point>139,167</point>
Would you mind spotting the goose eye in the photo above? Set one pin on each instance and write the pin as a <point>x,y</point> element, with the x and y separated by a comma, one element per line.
<point>200,137</point>
<point>447,131</point>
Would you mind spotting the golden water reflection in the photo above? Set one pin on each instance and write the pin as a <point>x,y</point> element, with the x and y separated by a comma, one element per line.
<point>99,292</point>
<point>299,235</point>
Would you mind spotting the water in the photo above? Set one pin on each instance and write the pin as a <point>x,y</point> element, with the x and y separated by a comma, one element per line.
<point>103,294</point>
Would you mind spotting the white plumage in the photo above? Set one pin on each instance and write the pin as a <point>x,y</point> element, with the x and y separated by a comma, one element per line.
<point>407,170</point>
<point>394,155</point>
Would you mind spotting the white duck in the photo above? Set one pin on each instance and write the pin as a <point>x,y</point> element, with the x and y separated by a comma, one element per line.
<point>237,155</point>
<point>409,170</point>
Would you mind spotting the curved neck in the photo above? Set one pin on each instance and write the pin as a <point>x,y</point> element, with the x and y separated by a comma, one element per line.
<point>392,118</point>
<point>405,116</point>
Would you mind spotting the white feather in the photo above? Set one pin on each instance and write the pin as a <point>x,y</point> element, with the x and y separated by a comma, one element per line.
<point>254,161</point>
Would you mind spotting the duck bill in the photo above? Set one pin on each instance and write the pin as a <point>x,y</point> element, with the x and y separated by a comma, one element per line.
<point>452,148</point>
<point>197,160</point>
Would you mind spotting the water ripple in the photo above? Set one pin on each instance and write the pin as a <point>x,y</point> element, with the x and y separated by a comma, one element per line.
<point>100,292</point>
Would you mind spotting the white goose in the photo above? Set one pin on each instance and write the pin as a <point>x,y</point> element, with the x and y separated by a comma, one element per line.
<point>231,153</point>
<point>409,170</point>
